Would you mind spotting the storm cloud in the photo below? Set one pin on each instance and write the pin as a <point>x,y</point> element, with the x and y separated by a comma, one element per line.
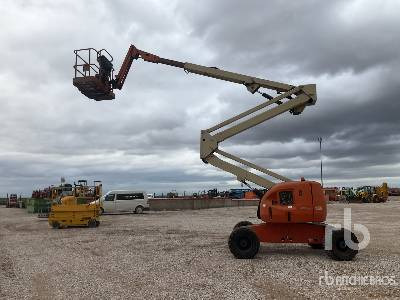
<point>148,137</point>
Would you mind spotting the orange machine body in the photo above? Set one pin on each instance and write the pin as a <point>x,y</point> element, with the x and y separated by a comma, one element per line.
<point>294,202</point>
<point>293,212</point>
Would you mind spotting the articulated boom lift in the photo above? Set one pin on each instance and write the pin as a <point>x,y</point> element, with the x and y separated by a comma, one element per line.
<point>292,211</point>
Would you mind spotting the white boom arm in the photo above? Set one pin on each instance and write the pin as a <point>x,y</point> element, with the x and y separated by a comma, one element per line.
<point>289,98</point>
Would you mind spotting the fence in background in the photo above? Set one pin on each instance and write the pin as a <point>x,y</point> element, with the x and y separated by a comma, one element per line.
<point>158,204</point>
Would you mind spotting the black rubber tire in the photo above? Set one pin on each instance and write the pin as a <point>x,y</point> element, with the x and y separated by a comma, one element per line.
<point>340,251</point>
<point>243,243</point>
<point>92,223</point>
<point>101,210</point>
<point>241,224</point>
<point>97,223</point>
<point>139,209</point>
<point>367,200</point>
<point>55,225</point>
<point>317,246</point>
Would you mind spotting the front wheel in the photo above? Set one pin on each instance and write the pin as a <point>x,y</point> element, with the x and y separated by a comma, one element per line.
<point>139,210</point>
<point>243,243</point>
<point>55,225</point>
<point>241,224</point>
<point>340,249</point>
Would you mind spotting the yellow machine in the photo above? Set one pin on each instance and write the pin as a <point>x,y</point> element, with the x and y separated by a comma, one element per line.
<point>364,194</point>
<point>86,193</point>
<point>78,209</point>
<point>369,194</point>
<point>69,213</point>
<point>381,193</point>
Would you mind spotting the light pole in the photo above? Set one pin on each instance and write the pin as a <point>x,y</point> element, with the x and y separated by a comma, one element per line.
<point>320,153</point>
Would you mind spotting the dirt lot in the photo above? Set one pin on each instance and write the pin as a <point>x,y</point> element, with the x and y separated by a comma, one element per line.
<point>185,255</point>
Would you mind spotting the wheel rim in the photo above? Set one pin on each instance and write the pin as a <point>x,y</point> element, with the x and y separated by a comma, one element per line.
<point>244,243</point>
<point>341,244</point>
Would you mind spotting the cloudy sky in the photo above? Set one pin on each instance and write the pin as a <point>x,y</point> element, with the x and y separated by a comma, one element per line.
<point>148,138</point>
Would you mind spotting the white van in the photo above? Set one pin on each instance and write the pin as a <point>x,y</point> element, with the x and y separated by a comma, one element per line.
<point>124,201</point>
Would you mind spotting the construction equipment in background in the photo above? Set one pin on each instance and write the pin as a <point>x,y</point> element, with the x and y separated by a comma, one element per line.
<point>76,205</point>
<point>12,200</point>
<point>291,211</point>
<point>172,194</point>
<point>373,194</point>
<point>210,194</point>
<point>53,192</point>
<point>346,194</point>
<point>331,193</point>
<point>42,199</point>
<point>381,193</point>
<point>364,194</point>
<point>69,213</point>
<point>213,193</point>
<point>63,190</point>
<point>80,190</point>
<point>85,193</point>
<point>238,193</point>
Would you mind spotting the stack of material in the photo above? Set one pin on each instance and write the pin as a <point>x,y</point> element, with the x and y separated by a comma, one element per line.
<point>38,205</point>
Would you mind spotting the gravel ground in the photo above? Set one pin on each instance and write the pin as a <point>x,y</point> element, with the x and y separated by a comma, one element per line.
<point>184,255</point>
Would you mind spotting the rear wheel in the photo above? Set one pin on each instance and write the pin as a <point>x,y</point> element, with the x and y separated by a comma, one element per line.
<point>243,243</point>
<point>316,246</point>
<point>138,210</point>
<point>92,223</point>
<point>241,224</point>
<point>340,250</point>
<point>97,223</point>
